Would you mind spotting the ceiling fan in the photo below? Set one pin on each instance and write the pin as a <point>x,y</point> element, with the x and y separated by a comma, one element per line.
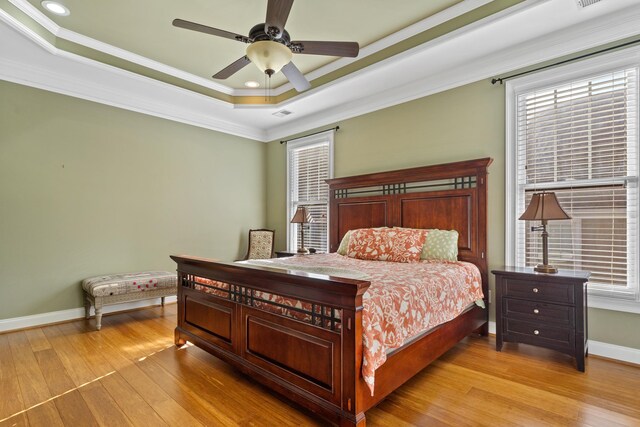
<point>270,46</point>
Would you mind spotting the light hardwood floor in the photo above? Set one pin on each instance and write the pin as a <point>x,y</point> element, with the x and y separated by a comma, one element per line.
<point>130,373</point>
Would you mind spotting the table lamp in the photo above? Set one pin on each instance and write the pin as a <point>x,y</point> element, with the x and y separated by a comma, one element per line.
<point>544,207</point>
<point>302,217</point>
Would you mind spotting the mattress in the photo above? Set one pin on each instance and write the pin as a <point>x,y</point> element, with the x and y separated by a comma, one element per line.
<point>403,301</point>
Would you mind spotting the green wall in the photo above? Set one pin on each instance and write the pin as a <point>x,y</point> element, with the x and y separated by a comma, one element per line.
<point>463,123</point>
<point>88,189</point>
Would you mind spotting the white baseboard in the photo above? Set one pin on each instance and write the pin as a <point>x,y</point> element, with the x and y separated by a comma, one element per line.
<point>73,314</point>
<point>612,351</point>
<point>492,328</point>
<point>603,349</point>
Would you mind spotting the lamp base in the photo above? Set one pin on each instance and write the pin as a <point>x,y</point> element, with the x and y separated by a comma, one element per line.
<point>543,268</point>
<point>303,250</point>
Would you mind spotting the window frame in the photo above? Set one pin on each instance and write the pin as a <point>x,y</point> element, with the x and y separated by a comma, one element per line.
<point>309,141</point>
<point>627,300</point>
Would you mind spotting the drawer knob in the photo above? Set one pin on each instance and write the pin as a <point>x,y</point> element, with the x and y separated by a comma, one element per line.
<point>536,332</point>
<point>536,290</point>
<point>536,311</point>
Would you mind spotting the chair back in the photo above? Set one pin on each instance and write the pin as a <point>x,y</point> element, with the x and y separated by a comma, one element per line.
<point>261,242</point>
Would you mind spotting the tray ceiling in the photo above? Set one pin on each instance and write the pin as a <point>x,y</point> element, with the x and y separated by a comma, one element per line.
<point>465,42</point>
<point>144,27</point>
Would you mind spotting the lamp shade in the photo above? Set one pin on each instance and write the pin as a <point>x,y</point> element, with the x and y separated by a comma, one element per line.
<point>269,56</point>
<point>544,206</point>
<point>301,216</point>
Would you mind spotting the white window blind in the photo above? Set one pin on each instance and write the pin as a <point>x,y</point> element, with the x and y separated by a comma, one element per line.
<point>580,141</point>
<point>309,164</point>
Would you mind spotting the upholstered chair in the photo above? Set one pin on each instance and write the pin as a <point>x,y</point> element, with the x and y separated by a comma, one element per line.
<point>261,243</point>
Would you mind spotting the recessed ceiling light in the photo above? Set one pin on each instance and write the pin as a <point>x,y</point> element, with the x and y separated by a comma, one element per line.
<point>252,83</point>
<point>55,7</point>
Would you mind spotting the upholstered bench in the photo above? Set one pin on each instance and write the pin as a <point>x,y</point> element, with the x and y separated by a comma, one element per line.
<point>118,288</point>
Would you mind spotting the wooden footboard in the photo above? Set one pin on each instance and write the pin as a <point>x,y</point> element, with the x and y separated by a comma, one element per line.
<point>307,355</point>
<point>312,355</point>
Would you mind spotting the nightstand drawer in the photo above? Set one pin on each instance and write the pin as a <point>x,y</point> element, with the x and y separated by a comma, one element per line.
<point>539,311</point>
<point>556,337</point>
<point>538,291</point>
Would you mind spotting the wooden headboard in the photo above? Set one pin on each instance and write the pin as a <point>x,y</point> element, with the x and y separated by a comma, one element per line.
<point>451,196</point>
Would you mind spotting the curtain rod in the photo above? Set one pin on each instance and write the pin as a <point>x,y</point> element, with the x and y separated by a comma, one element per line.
<point>315,133</point>
<point>502,79</point>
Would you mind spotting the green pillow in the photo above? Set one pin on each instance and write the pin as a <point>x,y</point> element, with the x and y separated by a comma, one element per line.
<point>344,244</point>
<point>441,245</point>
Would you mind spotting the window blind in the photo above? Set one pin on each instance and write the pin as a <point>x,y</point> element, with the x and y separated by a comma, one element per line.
<point>309,167</point>
<point>579,140</point>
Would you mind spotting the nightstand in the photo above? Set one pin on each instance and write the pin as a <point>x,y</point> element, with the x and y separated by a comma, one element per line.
<point>546,310</point>
<point>284,254</point>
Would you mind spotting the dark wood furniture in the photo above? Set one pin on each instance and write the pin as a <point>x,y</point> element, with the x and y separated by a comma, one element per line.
<point>317,362</point>
<point>284,254</point>
<point>547,310</point>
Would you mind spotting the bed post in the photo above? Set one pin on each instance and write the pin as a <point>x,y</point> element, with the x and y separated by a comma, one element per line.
<point>481,185</point>
<point>178,340</point>
<point>353,412</point>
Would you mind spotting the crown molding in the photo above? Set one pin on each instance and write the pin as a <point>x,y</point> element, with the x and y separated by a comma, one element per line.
<point>142,96</point>
<point>142,60</point>
<point>35,14</point>
<point>27,32</point>
<point>597,32</point>
<point>407,32</point>
<point>409,54</point>
<point>475,52</point>
<point>69,74</point>
<point>390,40</point>
<point>61,32</point>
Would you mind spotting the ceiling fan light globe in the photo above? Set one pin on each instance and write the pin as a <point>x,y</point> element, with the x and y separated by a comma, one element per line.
<point>269,55</point>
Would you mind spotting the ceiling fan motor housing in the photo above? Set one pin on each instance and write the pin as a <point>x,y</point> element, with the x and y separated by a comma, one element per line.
<point>258,34</point>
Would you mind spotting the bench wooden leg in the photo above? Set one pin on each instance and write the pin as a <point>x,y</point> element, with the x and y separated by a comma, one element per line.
<point>98,306</point>
<point>162,301</point>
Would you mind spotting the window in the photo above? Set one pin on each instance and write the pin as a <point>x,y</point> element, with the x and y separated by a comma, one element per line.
<point>309,164</point>
<point>573,131</point>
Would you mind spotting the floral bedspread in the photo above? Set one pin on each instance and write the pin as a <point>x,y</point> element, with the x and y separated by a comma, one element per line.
<point>404,299</point>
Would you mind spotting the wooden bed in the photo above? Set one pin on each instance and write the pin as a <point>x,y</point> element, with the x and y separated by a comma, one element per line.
<point>317,363</point>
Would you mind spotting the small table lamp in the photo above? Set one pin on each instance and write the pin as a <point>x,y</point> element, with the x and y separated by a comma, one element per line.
<point>544,207</point>
<point>302,217</point>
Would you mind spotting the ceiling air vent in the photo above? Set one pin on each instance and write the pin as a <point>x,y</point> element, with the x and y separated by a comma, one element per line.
<point>585,3</point>
<point>282,113</point>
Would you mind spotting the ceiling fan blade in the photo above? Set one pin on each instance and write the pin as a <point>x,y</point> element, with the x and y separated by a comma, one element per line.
<point>297,79</point>
<point>277,14</point>
<point>349,49</point>
<point>181,23</point>
<point>232,68</point>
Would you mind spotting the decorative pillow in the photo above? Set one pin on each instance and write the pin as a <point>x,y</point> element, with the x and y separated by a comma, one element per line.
<point>344,244</point>
<point>387,244</point>
<point>441,245</point>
